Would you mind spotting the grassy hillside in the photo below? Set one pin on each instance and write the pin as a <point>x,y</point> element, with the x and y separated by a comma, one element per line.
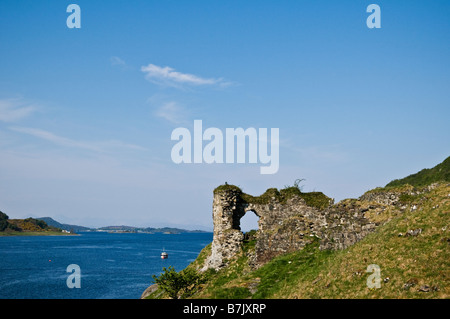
<point>440,172</point>
<point>27,226</point>
<point>412,250</point>
<point>412,266</point>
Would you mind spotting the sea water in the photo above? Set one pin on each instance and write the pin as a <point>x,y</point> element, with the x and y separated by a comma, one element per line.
<point>112,266</point>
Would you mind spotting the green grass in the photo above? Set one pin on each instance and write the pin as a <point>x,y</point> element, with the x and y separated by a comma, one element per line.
<point>440,172</point>
<point>411,199</point>
<point>226,188</point>
<point>425,257</point>
<point>264,198</point>
<point>316,199</point>
<point>313,199</point>
<point>280,272</point>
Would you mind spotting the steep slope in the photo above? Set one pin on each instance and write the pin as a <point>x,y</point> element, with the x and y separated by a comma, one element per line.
<point>412,251</point>
<point>440,172</point>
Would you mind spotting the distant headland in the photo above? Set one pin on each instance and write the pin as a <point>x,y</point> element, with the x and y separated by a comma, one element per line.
<point>28,227</point>
<point>44,226</point>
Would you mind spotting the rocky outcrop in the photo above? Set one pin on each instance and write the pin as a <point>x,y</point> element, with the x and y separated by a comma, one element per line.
<point>382,197</point>
<point>288,220</point>
<point>147,292</point>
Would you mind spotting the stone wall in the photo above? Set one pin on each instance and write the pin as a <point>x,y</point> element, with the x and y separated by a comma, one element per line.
<point>228,209</point>
<point>285,224</point>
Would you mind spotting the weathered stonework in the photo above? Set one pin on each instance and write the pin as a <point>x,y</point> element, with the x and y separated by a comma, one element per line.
<point>227,212</point>
<point>285,225</point>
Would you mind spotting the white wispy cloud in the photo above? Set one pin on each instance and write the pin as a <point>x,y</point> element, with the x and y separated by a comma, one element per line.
<point>15,109</point>
<point>115,60</point>
<point>172,112</point>
<point>102,146</point>
<point>119,144</point>
<point>169,77</point>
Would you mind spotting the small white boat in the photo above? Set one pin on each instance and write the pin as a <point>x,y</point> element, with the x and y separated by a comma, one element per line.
<point>164,255</point>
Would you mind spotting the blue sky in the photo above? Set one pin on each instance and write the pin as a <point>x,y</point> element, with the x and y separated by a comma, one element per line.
<point>85,127</point>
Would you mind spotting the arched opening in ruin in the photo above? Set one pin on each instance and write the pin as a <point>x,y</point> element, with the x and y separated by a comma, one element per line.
<point>250,221</point>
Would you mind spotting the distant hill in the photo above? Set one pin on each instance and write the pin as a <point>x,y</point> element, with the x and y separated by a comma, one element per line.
<point>119,229</point>
<point>48,224</point>
<point>27,226</point>
<point>440,172</point>
<point>5,224</point>
<point>72,228</point>
<point>150,230</point>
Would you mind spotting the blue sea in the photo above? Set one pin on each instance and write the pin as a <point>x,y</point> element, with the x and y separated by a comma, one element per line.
<point>112,266</point>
